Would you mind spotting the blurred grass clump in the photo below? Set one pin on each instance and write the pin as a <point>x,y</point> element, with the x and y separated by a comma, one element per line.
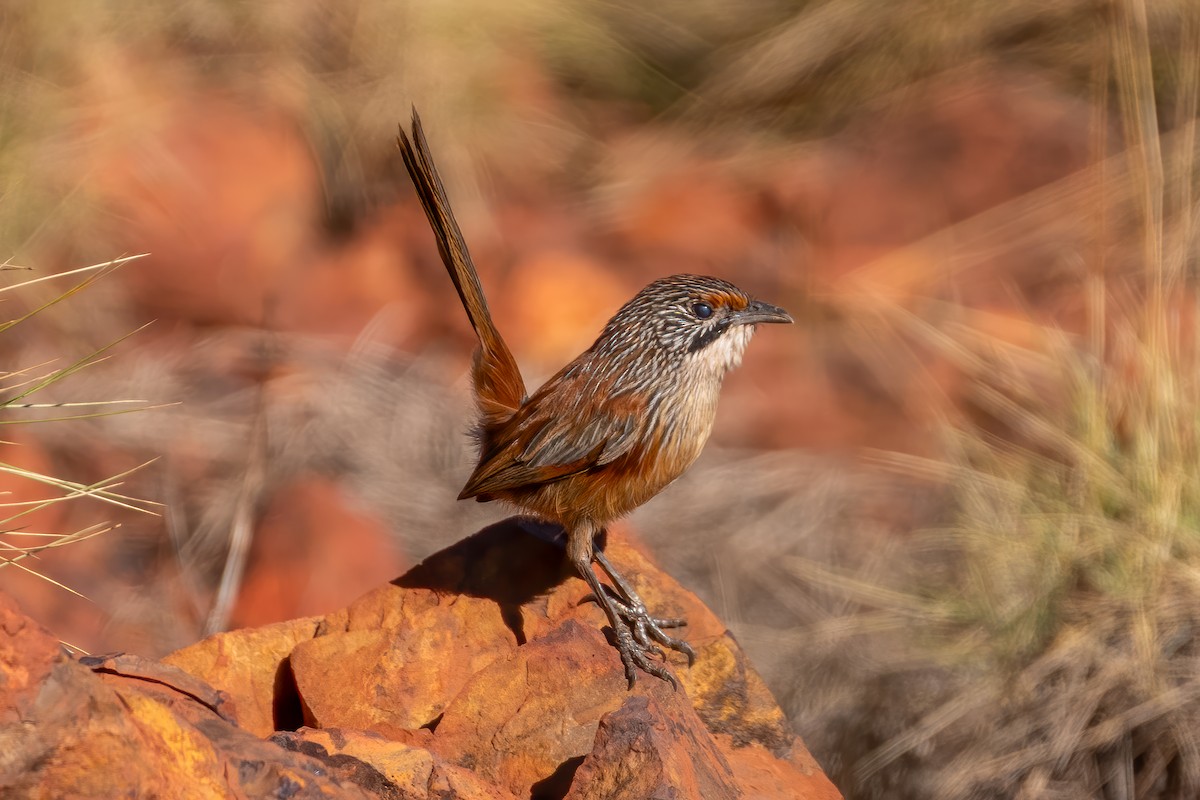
<point>1060,602</point>
<point>537,79</point>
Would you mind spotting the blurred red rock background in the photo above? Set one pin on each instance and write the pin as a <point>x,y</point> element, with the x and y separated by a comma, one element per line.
<point>219,178</point>
<point>304,325</point>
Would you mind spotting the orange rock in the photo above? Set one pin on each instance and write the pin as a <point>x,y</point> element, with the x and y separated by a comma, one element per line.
<point>649,748</point>
<point>726,691</point>
<point>500,724</point>
<point>251,665</point>
<point>412,770</point>
<point>313,551</point>
<point>28,654</point>
<point>731,697</point>
<point>68,733</point>
<point>403,655</point>
<point>520,720</point>
<point>481,667</point>
<point>190,697</point>
<point>516,564</point>
<point>762,774</point>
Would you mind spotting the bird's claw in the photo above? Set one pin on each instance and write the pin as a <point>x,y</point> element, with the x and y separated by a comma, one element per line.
<point>645,628</point>
<point>634,656</point>
<point>637,635</point>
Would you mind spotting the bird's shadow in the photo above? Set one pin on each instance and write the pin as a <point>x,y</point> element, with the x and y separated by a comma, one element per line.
<point>511,563</point>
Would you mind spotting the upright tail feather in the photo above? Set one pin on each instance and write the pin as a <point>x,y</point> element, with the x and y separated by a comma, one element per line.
<point>499,389</point>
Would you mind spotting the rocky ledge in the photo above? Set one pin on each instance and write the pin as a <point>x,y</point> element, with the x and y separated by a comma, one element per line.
<point>478,674</point>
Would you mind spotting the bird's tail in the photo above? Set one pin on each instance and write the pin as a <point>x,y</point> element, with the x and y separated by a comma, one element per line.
<point>499,389</point>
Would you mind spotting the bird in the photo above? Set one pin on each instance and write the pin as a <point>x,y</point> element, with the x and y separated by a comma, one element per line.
<point>612,428</point>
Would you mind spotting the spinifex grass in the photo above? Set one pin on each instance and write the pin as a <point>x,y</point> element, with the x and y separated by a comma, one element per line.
<point>18,545</point>
<point>1059,603</point>
<point>1071,585</point>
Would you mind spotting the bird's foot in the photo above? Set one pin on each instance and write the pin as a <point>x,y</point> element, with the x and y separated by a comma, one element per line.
<point>637,634</point>
<point>647,631</point>
<point>637,654</point>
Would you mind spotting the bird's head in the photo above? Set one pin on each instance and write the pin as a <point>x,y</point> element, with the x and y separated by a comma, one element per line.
<point>693,319</point>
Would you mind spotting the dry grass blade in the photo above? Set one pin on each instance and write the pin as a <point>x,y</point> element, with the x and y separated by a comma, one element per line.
<point>61,540</point>
<point>99,490</point>
<point>101,267</point>
<point>241,530</point>
<point>97,271</point>
<point>92,358</point>
<point>140,405</point>
<point>12,554</point>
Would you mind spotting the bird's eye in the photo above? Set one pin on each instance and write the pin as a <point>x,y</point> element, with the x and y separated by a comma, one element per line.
<point>702,310</point>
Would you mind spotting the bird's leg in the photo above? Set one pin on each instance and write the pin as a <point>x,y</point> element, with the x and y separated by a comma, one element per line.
<point>632,643</point>
<point>633,611</point>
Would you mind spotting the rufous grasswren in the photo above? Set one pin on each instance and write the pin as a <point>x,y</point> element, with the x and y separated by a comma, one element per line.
<point>611,429</point>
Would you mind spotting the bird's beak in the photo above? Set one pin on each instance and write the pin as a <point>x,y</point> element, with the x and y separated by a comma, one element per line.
<point>758,311</point>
